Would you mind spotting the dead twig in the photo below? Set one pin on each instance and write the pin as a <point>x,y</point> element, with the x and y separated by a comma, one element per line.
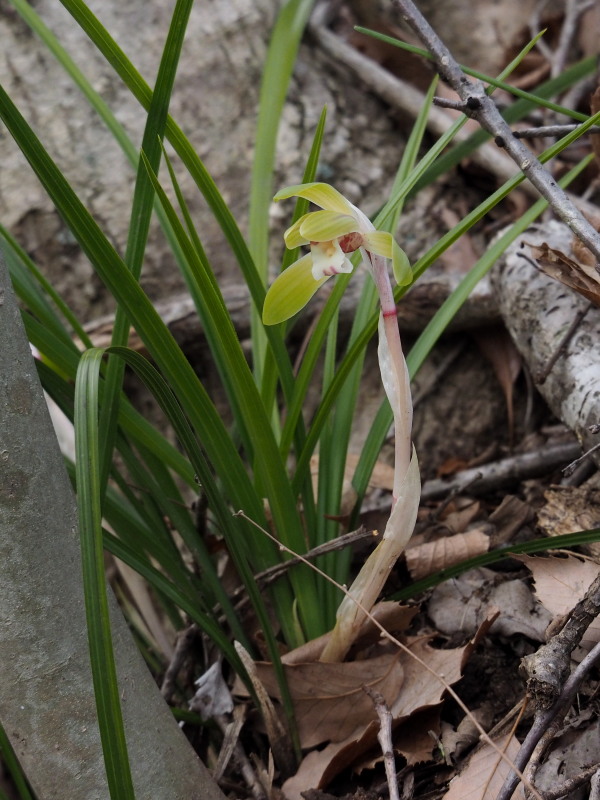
<point>384,737</point>
<point>544,719</point>
<point>232,749</point>
<point>570,468</point>
<point>492,476</point>
<point>498,474</point>
<point>557,58</point>
<point>571,784</point>
<point>574,9</point>
<point>279,738</point>
<point>267,576</point>
<point>184,641</point>
<point>479,106</point>
<point>554,131</point>
<point>547,669</point>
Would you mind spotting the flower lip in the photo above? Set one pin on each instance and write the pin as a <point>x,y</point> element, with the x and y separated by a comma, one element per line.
<point>328,259</point>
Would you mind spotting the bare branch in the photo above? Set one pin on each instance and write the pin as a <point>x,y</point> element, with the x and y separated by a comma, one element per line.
<point>551,130</point>
<point>545,719</point>
<point>548,667</point>
<point>385,740</point>
<point>478,105</point>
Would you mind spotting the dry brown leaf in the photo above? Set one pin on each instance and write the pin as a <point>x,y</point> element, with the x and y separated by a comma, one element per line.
<point>420,690</point>
<point>456,741</point>
<point>460,605</point>
<point>457,521</point>
<point>329,700</point>
<point>451,466</point>
<point>484,774</point>
<point>560,583</point>
<point>424,559</point>
<point>582,278</point>
<point>510,516</point>
<point>412,739</point>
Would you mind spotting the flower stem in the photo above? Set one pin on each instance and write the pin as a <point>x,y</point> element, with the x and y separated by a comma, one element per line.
<point>401,402</point>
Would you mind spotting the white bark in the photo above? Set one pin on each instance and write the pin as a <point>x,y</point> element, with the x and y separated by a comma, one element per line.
<point>538,311</point>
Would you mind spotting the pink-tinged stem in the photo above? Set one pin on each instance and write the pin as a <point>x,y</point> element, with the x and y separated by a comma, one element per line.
<point>403,411</point>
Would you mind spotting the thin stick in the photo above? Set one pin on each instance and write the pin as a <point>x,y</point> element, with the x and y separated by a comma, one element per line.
<point>384,738</point>
<point>271,574</point>
<point>554,131</point>
<point>574,9</point>
<point>570,468</point>
<point>507,471</point>
<point>185,639</point>
<point>572,783</point>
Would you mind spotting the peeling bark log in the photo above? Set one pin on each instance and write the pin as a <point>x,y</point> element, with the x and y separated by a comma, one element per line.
<point>538,311</point>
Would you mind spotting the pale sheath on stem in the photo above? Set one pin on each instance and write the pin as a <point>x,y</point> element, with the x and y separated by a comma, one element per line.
<point>337,229</point>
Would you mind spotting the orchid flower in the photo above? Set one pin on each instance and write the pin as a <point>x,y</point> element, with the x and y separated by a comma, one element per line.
<point>332,233</point>
<point>338,229</point>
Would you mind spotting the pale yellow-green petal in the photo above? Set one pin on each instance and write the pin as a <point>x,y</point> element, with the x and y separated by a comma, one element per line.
<point>293,238</point>
<point>379,243</point>
<point>384,244</point>
<point>290,292</point>
<point>324,226</point>
<point>401,266</point>
<point>321,194</point>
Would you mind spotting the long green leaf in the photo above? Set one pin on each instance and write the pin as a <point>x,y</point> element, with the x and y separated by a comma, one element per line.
<point>268,465</point>
<point>173,591</point>
<point>142,314</point>
<point>106,687</point>
<point>198,275</point>
<point>137,427</point>
<point>230,528</point>
<point>33,288</point>
<point>494,556</point>
<point>10,760</point>
<point>141,212</point>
